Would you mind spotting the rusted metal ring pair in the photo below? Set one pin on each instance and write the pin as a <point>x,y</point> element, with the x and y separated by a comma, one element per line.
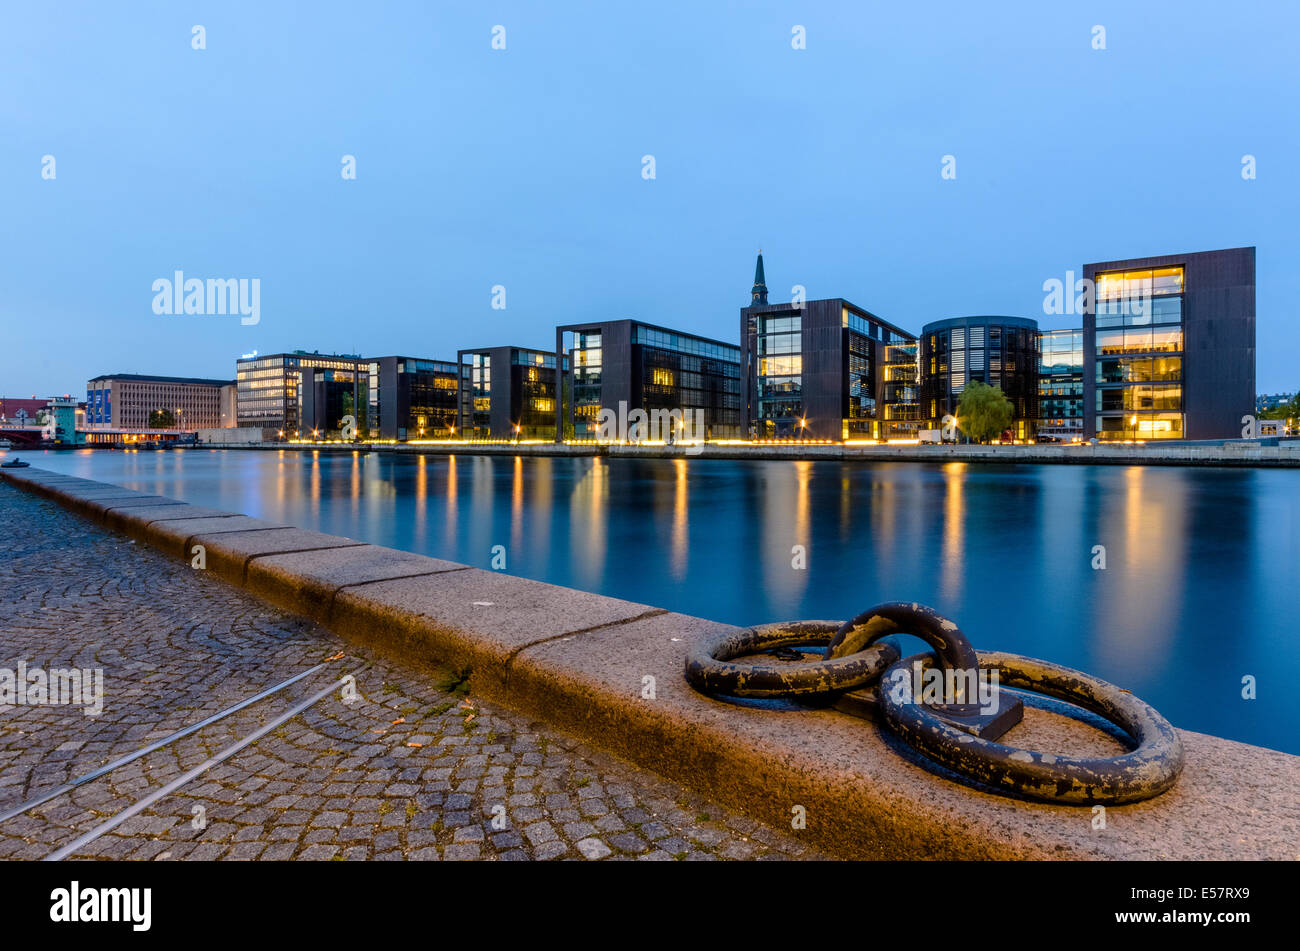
<point>855,659</point>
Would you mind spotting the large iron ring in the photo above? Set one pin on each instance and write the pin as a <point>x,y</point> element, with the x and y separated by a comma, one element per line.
<point>1150,769</point>
<point>709,670</point>
<point>905,617</point>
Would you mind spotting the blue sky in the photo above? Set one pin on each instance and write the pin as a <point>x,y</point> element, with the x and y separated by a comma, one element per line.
<point>523,167</point>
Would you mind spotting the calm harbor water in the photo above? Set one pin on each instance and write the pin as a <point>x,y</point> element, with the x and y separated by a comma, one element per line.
<point>1201,585</point>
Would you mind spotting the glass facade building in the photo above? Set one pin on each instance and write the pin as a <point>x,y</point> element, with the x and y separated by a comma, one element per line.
<point>1138,375</point>
<point>301,393</point>
<point>1060,384</point>
<point>1169,346</point>
<point>306,395</point>
<point>507,393</point>
<point>650,368</point>
<point>996,350</point>
<point>902,394</point>
<point>412,398</point>
<point>817,370</point>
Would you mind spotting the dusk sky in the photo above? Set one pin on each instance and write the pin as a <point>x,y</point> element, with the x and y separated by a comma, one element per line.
<point>522,167</point>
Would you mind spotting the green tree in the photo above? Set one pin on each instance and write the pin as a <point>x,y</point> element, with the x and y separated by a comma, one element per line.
<point>1284,410</point>
<point>161,419</point>
<point>983,411</point>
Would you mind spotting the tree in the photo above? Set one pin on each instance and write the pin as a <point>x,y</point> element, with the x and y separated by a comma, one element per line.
<point>1287,410</point>
<point>161,419</point>
<point>983,411</point>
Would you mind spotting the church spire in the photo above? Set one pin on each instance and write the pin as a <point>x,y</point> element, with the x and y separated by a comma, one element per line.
<point>758,294</point>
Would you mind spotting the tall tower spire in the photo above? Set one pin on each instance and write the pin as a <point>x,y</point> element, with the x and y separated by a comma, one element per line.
<point>758,294</point>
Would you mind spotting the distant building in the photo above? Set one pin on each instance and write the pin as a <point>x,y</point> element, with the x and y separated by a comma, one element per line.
<point>413,398</point>
<point>1169,346</point>
<point>135,403</point>
<point>816,369</point>
<point>1269,401</point>
<point>507,392</point>
<point>20,411</point>
<point>997,350</point>
<point>61,422</point>
<point>304,394</point>
<point>647,367</point>
<point>902,392</point>
<point>1060,384</point>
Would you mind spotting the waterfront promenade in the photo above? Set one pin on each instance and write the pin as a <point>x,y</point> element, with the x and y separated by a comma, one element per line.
<point>605,671</point>
<point>408,771</point>
<point>1265,453</point>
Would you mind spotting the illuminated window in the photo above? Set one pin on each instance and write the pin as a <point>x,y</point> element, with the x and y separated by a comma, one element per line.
<point>661,377</point>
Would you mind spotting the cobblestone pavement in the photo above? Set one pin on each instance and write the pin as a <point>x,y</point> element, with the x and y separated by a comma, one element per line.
<point>412,769</point>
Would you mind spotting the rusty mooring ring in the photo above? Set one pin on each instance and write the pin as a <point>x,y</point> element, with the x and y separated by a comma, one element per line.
<point>1150,769</point>
<point>709,670</point>
<point>905,617</point>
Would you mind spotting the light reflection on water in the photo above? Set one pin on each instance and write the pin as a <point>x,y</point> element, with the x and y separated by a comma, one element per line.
<point>1200,588</point>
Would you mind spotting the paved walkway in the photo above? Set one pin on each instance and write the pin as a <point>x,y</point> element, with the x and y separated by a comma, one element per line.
<point>408,770</point>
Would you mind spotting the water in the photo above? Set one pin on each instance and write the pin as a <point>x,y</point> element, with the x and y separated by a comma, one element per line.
<point>1200,587</point>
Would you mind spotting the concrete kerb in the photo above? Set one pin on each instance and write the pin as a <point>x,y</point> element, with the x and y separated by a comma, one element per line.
<point>471,620</point>
<point>134,520</point>
<point>175,536</point>
<point>307,583</point>
<point>864,794</point>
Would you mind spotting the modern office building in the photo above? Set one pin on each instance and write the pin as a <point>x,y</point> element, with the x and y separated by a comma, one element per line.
<point>129,402</point>
<point>412,398</point>
<point>1060,384</point>
<point>651,368</point>
<point>507,393</point>
<point>902,392</point>
<point>304,394</point>
<point>816,369</point>
<point>997,350</point>
<point>1169,346</point>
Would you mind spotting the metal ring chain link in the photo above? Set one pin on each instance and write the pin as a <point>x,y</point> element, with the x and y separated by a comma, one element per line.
<point>862,674</point>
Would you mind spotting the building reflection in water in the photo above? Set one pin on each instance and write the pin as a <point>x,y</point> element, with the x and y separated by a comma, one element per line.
<point>517,506</point>
<point>953,561</point>
<point>421,500</point>
<point>453,501</point>
<point>1138,608</point>
<point>587,525</point>
<point>784,512</point>
<point>680,558</point>
<point>314,490</point>
<point>539,532</point>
